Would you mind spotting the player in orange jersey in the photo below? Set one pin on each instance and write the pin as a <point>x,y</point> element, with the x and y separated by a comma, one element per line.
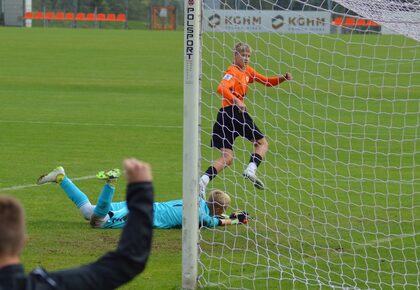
<point>233,119</point>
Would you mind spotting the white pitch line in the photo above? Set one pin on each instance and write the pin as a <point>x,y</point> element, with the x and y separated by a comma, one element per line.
<point>389,239</point>
<point>388,63</point>
<point>91,124</point>
<point>24,186</point>
<point>176,127</point>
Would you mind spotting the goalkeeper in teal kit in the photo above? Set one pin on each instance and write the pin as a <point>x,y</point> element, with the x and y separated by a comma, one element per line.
<point>112,215</point>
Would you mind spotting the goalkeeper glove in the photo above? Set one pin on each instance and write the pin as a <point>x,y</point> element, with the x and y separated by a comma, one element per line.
<point>222,216</point>
<point>241,217</point>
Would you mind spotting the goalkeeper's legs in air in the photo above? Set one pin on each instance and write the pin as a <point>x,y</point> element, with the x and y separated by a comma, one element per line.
<point>261,148</point>
<point>78,197</point>
<point>104,205</point>
<point>110,177</point>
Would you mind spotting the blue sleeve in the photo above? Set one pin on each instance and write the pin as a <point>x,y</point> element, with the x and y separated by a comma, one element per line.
<point>210,221</point>
<point>204,215</point>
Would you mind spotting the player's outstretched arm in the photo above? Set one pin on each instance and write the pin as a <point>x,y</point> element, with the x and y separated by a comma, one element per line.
<point>129,259</point>
<point>240,217</point>
<point>270,81</point>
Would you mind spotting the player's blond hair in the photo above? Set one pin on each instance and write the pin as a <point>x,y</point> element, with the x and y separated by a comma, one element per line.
<point>218,200</point>
<point>241,47</point>
<point>12,227</point>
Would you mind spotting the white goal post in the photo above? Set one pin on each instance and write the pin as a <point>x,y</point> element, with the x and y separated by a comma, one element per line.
<point>341,203</point>
<point>191,143</point>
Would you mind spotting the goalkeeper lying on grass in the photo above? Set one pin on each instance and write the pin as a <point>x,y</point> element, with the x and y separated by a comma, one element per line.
<point>110,215</point>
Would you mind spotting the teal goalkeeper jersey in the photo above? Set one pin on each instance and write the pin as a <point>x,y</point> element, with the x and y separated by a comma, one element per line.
<point>117,216</point>
<point>168,215</point>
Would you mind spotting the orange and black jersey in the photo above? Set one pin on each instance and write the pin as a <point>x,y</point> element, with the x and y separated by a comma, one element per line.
<point>235,83</point>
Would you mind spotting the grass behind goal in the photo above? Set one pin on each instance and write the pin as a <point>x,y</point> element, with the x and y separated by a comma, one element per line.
<point>85,99</point>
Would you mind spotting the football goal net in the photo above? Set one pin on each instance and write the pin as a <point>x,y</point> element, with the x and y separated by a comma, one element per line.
<point>340,206</point>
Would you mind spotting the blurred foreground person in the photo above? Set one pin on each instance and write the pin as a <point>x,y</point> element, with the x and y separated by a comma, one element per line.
<point>108,272</point>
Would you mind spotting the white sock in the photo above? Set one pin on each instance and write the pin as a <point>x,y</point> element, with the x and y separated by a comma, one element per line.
<point>205,179</point>
<point>252,167</point>
<point>87,210</point>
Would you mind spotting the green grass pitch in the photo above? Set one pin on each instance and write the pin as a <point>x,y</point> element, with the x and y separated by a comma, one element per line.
<point>343,161</point>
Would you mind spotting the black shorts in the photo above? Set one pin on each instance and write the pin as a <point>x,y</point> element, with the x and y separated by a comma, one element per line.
<point>232,123</point>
